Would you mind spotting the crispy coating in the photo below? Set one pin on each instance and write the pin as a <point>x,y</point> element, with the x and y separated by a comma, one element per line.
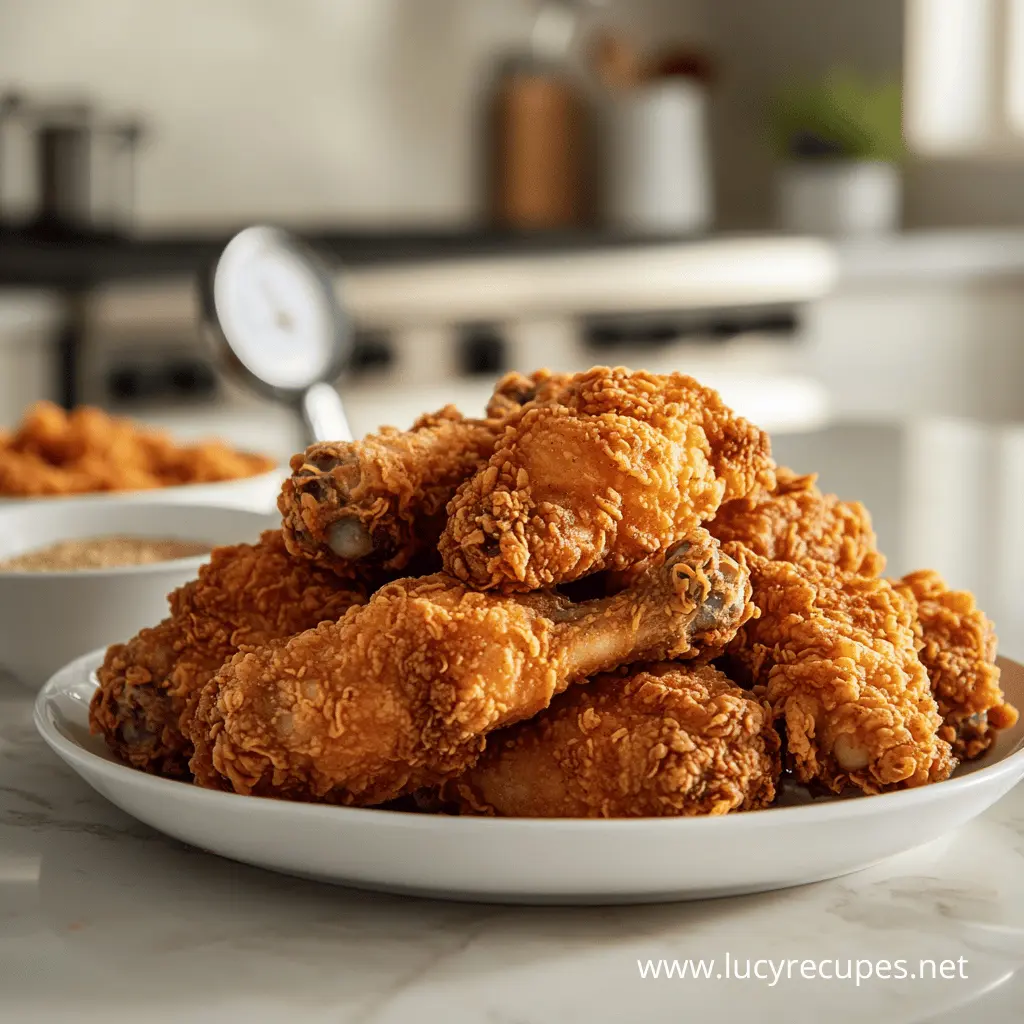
<point>959,652</point>
<point>245,594</point>
<point>515,390</point>
<point>54,452</point>
<point>599,474</point>
<point>402,692</point>
<point>836,656</point>
<point>663,741</point>
<point>795,522</point>
<point>133,708</point>
<point>381,501</point>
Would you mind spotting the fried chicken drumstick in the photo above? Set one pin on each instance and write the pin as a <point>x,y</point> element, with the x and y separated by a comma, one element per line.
<point>959,653</point>
<point>402,692</point>
<point>795,522</point>
<point>381,501</point>
<point>245,594</point>
<point>665,740</point>
<point>599,473</point>
<point>835,654</point>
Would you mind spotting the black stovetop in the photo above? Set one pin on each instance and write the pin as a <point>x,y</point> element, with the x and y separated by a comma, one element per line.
<point>84,261</point>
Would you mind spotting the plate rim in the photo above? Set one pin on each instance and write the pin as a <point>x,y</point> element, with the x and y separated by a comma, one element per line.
<point>818,810</point>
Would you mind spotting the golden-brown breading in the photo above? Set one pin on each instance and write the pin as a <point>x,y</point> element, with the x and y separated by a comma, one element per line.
<point>515,390</point>
<point>381,501</point>
<point>402,692</point>
<point>836,656</point>
<point>959,652</point>
<point>663,740</point>
<point>56,452</point>
<point>600,474</point>
<point>245,594</point>
<point>136,708</point>
<point>795,522</point>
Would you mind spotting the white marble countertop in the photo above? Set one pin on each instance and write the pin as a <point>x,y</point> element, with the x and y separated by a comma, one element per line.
<point>102,919</point>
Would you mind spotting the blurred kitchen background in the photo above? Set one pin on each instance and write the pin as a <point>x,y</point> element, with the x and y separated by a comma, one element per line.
<point>815,205</point>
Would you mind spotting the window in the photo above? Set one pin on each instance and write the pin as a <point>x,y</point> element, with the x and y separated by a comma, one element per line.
<point>964,77</point>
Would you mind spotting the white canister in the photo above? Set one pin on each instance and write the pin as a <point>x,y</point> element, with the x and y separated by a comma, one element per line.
<point>839,197</point>
<point>658,178</point>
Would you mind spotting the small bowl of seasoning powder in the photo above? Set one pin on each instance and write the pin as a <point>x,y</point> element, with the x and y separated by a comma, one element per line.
<point>77,575</point>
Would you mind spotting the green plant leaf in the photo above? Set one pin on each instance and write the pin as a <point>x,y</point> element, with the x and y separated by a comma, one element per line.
<point>843,116</point>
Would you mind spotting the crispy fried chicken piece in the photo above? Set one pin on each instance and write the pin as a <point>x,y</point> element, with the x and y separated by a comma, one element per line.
<point>836,656</point>
<point>795,522</point>
<point>402,692</point>
<point>515,390</point>
<point>599,474</point>
<point>664,740</point>
<point>959,652</point>
<point>245,594</point>
<point>56,452</point>
<point>136,708</point>
<point>381,501</point>
<point>24,475</point>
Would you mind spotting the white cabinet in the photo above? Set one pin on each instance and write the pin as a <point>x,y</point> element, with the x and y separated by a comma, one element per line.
<point>930,342</point>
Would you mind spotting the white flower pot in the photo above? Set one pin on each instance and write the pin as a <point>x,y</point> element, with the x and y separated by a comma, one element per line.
<point>839,197</point>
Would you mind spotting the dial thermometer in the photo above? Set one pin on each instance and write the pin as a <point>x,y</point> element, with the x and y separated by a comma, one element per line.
<point>269,304</point>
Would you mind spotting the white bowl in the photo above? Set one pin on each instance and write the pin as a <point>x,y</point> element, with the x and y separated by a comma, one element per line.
<point>515,860</point>
<point>48,618</point>
<point>256,493</point>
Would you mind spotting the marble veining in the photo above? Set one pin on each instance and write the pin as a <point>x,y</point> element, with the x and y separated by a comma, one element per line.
<point>102,918</point>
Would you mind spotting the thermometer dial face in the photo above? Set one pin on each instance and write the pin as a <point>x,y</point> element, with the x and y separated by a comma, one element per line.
<point>276,310</point>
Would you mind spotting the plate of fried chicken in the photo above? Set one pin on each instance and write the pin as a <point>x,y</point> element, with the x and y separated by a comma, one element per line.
<point>92,455</point>
<point>594,646</point>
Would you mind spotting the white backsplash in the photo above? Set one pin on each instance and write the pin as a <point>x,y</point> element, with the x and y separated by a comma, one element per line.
<point>313,111</point>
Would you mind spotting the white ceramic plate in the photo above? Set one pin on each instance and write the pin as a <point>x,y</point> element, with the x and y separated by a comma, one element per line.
<point>534,860</point>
